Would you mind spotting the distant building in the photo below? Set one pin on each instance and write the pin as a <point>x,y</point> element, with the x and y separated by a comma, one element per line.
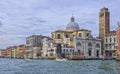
<point>22,51</point>
<point>36,51</point>
<point>0,53</point>
<point>3,53</point>
<point>8,52</point>
<point>34,46</point>
<point>14,52</point>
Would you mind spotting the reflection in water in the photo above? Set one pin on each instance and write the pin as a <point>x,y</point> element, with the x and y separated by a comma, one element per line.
<point>106,66</point>
<point>20,66</point>
<point>118,67</point>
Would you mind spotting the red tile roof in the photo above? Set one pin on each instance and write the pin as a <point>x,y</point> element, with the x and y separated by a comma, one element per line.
<point>111,33</point>
<point>71,31</point>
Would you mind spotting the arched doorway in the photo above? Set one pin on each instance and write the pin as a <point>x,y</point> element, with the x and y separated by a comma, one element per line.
<point>97,49</point>
<point>89,49</point>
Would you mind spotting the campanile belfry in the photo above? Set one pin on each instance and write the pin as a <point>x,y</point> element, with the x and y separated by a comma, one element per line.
<point>104,24</point>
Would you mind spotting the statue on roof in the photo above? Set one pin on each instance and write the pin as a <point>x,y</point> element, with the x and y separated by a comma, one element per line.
<point>118,24</point>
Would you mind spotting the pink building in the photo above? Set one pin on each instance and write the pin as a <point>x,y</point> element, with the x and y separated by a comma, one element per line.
<point>118,42</point>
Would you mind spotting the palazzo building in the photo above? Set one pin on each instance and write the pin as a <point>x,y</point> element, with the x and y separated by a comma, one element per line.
<point>110,44</point>
<point>48,48</point>
<point>34,46</point>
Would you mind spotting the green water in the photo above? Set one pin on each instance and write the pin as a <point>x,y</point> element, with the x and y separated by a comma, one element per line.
<point>20,66</point>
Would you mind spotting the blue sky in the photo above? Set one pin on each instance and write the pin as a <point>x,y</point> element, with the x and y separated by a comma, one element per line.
<point>22,18</point>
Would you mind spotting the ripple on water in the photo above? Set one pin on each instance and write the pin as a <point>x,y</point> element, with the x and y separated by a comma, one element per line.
<point>20,66</point>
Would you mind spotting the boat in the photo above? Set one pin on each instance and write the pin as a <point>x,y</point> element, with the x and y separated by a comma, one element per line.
<point>60,59</point>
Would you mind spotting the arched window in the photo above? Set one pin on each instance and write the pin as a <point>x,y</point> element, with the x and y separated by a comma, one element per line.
<point>89,52</point>
<point>97,53</point>
<point>114,40</point>
<point>58,36</point>
<point>97,46</point>
<point>78,44</point>
<point>64,50</point>
<point>110,39</point>
<point>78,51</point>
<point>67,50</point>
<point>89,44</point>
<point>80,35</point>
<point>66,35</point>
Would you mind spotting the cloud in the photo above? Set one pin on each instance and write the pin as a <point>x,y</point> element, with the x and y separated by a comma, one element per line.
<point>1,24</point>
<point>11,41</point>
<point>26,17</point>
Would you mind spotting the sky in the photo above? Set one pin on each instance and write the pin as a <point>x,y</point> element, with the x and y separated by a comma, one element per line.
<point>22,18</point>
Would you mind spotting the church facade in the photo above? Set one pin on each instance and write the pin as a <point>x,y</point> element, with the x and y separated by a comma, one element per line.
<point>77,41</point>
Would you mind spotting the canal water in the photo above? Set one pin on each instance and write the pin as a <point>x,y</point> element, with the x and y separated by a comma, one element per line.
<point>21,66</point>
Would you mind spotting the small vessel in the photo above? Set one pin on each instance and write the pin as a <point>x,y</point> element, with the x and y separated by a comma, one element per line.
<point>60,59</point>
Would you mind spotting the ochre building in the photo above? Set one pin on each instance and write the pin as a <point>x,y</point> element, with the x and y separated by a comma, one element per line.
<point>67,36</point>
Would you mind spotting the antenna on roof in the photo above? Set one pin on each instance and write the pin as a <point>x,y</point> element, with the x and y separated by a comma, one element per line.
<point>118,24</point>
<point>72,18</point>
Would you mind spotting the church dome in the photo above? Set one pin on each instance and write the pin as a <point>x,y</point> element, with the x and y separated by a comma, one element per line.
<point>72,25</point>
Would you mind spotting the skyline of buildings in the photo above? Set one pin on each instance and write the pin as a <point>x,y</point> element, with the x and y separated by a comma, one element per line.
<point>74,40</point>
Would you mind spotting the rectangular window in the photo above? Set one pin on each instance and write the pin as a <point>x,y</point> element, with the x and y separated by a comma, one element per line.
<point>87,34</point>
<point>89,52</point>
<point>106,40</point>
<point>66,35</point>
<point>114,40</point>
<point>106,46</point>
<point>110,46</point>
<point>52,35</point>
<point>58,36</point>
<point>110,40</point>
<point>80,35</point>
<point>97,53</point>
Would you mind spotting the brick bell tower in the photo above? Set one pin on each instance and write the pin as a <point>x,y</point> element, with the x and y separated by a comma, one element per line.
<point>104,25</point>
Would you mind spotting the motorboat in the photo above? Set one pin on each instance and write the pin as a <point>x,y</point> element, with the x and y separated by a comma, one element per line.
<point>61,59</point>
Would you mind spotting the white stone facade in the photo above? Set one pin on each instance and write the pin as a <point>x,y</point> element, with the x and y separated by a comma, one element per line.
<point>66,50</point>
<point>90,47</point>
<point>110,45</point>
<point>49,48</point>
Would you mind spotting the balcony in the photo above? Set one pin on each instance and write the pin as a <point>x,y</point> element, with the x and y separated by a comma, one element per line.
<point>58,40</point>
